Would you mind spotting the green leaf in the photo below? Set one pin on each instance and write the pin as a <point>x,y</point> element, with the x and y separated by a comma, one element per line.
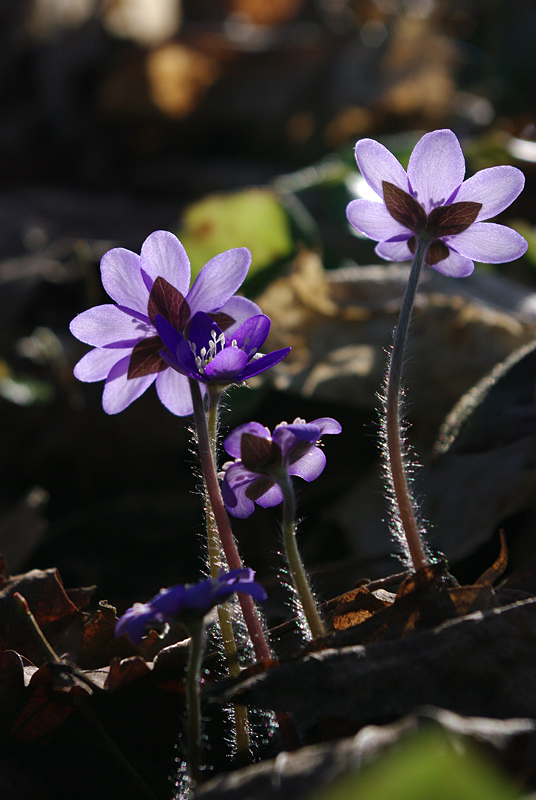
<point>429,766</point>
<point>252,218</point>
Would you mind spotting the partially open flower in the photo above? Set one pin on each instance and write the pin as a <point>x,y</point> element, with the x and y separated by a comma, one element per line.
<point>433,200</point>
<point>209,355</point>
<point>200,597</point>
<point>262,460</point>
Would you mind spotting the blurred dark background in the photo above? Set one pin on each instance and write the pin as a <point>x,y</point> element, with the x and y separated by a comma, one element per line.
<point>118,118</point>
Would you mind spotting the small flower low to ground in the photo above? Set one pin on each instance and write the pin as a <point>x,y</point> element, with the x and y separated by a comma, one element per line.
<point>263,459</point>
<point>433,200</point>
<point>200,597</point>
<point>155,283</point>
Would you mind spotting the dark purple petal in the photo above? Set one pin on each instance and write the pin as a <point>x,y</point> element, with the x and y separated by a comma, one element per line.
<point>264,362</point>
<point>167,301</point>
<point>134,622</point>
<point>226,365</point>
<point>404,208</point>
<point>251,335</point>
<point>179,355</point>
<point>168,602</point>
<point>145,358</point>
<point>202,330</point>
<point>232,442</point>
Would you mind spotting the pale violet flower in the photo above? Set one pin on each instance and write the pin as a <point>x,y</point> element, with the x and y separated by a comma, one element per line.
<point>155,283</point>
<point>433,199</point>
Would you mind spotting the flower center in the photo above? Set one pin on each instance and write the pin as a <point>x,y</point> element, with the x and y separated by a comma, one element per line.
<point>216,344</point>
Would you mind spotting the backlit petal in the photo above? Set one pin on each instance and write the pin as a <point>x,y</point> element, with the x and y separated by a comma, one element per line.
<point>102,325</point>
<point>373,220</point>
<point>96,364</point>
<point>455,265</point>
<point>377,164</point>
<point>490,243</point>
<point>119,392</point>
<point>226,365</point>
<point>162,254</point>
<point>271,498</point>
<point>394,251</point>
<point>258,365</point>
<point>219,279</point>
<point>174,392</point>
<point>240,309</point>
<point>496,188</point>
<point>251,335</point>
<point>310,466</point>
<point>122,280</point>
<point>436,168</point>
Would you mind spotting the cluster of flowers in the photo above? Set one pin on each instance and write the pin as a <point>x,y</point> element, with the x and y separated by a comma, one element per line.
<point>160,330</point>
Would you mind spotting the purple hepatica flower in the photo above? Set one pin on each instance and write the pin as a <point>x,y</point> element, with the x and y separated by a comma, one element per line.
<point>262,460</point>
<point>211,356</point>
<point>433,199</point>
<point>127,344</point>
<point>198,598</point>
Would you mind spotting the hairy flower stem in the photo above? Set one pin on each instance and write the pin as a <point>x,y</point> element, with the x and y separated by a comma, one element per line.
<point>260,645</point>
<point>214,556</point>
<point>253,624</point>
<point>299,576</point>
<point>193,698</point>
<point>395,463</point>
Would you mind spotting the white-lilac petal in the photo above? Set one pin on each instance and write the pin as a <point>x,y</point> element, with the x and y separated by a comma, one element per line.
<point>490,243</point>
<point>107,324</point>
<point>496,188</point>
<point>232,442</point>
<point>96,364</point>
<point>122,279</point>
<point>219,279</point>
<point>162,255</point>
<point>119,392</point>
<point>455,265</point>
<point>174,392</point>
<point>374,220</point>
<point>378,164</point>
<point>436,168</point>
<point>271,498</point>
<point>309,466</point>
<point>394,251</point>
